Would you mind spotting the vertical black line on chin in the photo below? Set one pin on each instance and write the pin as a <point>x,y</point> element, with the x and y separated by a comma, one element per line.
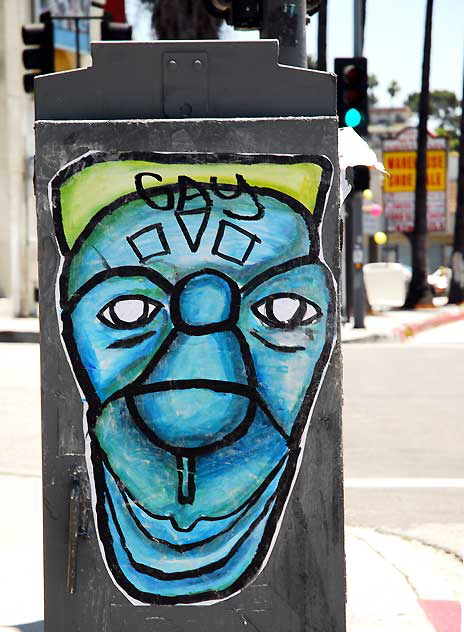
<point>185,469</point>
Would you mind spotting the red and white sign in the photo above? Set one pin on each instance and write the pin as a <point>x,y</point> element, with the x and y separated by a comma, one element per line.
<point>399,158</point>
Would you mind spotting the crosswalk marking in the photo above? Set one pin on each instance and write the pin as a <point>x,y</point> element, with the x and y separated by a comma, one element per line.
<point>411,483</point>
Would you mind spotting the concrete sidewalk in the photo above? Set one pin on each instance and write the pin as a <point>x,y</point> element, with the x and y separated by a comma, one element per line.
<point>397,325</point>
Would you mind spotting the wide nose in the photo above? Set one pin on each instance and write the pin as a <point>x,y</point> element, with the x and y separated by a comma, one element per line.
<point>204,303</point>
<point>198,395</point>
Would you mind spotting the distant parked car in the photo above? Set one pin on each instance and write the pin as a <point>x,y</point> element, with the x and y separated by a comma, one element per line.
<point>440,281</point>
<point>386,284</point>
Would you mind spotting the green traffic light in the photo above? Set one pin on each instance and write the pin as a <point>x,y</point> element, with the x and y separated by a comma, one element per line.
<point>353,117</point>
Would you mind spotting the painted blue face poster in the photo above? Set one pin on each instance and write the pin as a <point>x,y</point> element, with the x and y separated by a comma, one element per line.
<point>198,316</point>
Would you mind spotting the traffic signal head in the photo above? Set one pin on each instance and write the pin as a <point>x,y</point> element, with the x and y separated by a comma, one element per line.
<point>40,52</point>
<point>361,178</point>
<point>115,31</point>
<point>241,14</point>
<point>352,101</point>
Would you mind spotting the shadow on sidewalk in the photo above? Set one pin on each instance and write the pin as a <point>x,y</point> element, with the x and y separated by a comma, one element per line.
<point>37,626</point>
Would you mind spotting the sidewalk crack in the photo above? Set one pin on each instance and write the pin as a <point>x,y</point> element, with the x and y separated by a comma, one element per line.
<point>412,538</point>
<point>388,562</point>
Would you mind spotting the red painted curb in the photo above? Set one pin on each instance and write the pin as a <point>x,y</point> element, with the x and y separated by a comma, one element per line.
<point>406,331</point>
<point>445,616</point>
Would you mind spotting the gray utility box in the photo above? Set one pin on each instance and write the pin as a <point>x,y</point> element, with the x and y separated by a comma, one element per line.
<point>188,218</point>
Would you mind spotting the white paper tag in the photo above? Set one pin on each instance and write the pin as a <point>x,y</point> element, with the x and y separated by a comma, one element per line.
<point>353,150</point>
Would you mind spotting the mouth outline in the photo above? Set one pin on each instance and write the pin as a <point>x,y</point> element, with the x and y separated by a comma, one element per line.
<point>252,498</point>
<point>240,512</point>
<point>218,386</point>
<point>140,567</point>
<point>237,433</point>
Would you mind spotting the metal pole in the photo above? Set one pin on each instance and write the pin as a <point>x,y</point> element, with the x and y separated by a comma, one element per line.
<point>348,247</point>
<point>359,298</point>
<point>286,21</point>
<point>358,14</point>
<point>355,197</point>
<point>322,36</point>
<point>78,48</point>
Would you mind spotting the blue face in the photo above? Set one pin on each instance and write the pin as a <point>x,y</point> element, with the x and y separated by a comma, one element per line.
<point>202,323</point>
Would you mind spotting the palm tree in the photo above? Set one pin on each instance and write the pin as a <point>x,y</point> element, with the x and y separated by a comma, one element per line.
<point>419,291</point>
<point>183,19</point>
<point>393,89</point>
<point>372,83</point>
<point>456,294</point>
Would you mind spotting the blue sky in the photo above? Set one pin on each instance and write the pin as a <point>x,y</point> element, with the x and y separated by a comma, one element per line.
<point>394,38</point>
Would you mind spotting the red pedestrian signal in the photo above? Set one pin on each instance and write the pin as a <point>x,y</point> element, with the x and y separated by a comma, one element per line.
<point>352,99</point>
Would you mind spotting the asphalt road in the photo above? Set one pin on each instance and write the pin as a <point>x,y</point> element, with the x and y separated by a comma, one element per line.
<point>404,436</point>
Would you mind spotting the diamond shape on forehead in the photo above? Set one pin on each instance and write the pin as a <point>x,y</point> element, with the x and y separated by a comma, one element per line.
<point>193,224</point>
<point>149,242</point>
<point>233,243</point>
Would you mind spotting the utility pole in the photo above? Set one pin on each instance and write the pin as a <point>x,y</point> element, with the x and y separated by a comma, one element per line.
<point>287,23</point>
<point>456,294</point>
<point>359,9</point>
<point>322,36</point>
<point>355,255</point>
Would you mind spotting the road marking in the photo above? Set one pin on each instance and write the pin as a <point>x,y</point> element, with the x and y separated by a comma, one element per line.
<point>402,483</point>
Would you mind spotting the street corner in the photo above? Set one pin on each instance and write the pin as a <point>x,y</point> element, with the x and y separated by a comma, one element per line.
<point>398,583</point>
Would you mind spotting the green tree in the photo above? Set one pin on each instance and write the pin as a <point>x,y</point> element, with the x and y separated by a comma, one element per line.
<point>419,291</point>
<point>443,106</point>
<point>445,110</point>
<point>372,83</point>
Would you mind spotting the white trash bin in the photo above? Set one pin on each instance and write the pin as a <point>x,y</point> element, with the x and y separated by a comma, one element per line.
<point>386,284</point>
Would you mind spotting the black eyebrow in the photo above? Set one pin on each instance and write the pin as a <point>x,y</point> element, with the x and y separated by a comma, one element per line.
<point>275,270</point>
<point>127,343</point>
<point>122,272</point>
<point>270,345</point>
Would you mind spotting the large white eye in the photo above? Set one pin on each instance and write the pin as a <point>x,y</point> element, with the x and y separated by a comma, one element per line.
<point>129,312</point>
<point>286,311</point>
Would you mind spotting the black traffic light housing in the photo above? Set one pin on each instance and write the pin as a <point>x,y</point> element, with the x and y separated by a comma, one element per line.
<point>352,99</point>
<point>40,52</point>
<point>241,14</point>
<point>361,178</point>
<point>114,31</point>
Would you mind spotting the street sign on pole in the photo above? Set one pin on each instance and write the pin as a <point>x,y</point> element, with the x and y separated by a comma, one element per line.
<point>399,158</point>
<point>191,372</point>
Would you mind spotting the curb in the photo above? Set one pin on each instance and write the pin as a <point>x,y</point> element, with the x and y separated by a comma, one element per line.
<point>369,338</point>
<point>20,336</point>
<point>407,331</point>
